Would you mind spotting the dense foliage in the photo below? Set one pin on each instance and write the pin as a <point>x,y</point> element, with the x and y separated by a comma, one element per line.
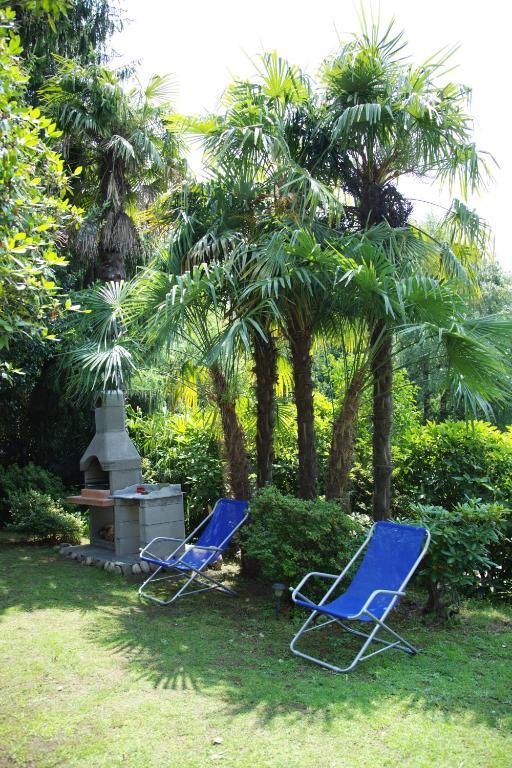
<point>31,501</point>
<point>459,560</point>
<point>33,210</point>
<point>77,29</point>
<point>447,463</point>
<point>289,537</point>
<point>63,430</point>
<point>176,451</point>
<point>428,371</point>
<point>15,480</point>
<point>44,519</point>
<point>450,463</point>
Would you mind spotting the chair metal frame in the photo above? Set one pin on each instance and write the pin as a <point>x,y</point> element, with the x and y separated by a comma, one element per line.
<point>208,582</point>
<point>380,624</point>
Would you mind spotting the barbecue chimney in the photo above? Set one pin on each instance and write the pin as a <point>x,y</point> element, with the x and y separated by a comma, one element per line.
<point>111,461</point>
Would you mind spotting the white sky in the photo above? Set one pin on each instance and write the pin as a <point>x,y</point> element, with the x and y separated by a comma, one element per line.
<point>204,43</point>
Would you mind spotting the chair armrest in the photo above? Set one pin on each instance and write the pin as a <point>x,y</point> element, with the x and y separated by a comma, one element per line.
<point>145,549</point>
<point>160,538</point>
<point>303,597</point>
<point>377,592</point>
<point>299,586</point>
<point>208,549</point>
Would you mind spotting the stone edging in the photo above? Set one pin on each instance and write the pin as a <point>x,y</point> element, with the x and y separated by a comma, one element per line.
<point>111,566</point>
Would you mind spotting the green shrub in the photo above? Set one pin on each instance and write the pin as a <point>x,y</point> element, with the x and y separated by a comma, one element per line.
<point>459,560</point>
<point>289,537</point>
<point>500,581</point>
<point>43,518</point>
<point>447,463</point>
<point>285,470</point>
<point>177,450</point>
<point>15,479</point>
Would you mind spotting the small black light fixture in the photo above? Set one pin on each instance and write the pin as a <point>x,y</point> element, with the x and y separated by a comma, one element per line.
<point>278,590</point>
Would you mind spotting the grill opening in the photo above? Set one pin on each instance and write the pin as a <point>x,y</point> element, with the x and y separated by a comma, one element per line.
<point>95,476</point>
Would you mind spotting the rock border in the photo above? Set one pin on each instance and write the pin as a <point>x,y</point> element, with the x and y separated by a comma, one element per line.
<point>111,566</point>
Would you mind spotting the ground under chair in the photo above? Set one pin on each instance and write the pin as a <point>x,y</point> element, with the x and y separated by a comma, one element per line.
<point>392,552</point>
<point>188,560</point>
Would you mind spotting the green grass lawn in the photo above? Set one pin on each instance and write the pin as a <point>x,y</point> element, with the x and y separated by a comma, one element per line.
<point>89,676</point>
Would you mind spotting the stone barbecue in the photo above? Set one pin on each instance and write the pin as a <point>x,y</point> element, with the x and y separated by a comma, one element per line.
<point>124,513</point>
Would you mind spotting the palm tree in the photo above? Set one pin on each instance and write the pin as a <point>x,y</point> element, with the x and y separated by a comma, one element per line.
<point>124,326</point>
<point>270,133</point>
<point>296,274</point>
<point>389,119</point>
<point>190,295</point>
<point>118,136</point>
<point>177,308</point>
<point>238,146</point>
<point>102,353</point>
<point>386,285</point>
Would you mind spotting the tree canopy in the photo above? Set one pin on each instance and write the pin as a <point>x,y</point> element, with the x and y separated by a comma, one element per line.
<point>74,29</point>
<point>34,211</point>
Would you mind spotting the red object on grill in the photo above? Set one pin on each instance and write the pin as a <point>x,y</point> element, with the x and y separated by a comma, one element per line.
<point>141,489</point>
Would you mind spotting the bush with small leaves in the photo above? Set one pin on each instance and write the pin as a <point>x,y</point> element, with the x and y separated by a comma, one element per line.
<point>450,462</point>
<point>459,560</point>
<point>43,519</point>
<point>34,212</point>
<point>15,479</point>
<point>289,537</point>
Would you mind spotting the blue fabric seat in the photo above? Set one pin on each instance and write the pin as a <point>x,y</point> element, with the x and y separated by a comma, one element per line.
<point>194,557</point>
<point>393,552</point>
<point>224,521</point>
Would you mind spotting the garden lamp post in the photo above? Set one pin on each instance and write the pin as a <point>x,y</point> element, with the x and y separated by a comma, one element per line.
<point>278,590</point>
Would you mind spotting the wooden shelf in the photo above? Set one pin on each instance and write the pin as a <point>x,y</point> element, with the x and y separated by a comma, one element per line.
<point>92,497</point>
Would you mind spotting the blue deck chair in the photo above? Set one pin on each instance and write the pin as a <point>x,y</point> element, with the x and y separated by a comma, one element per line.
<point>189,560</point>
<point>393,552</point>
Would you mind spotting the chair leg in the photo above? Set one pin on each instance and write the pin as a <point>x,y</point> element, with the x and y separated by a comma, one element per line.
<point>399,644</point>
<point>403,644</point>
<point>218,584</point>
<point>304,629</point>
<point>168,577</point>
<point>182,591</point>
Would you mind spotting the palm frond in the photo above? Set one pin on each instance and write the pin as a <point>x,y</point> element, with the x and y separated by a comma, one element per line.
<point>160,89</point>
<point>94,368</point>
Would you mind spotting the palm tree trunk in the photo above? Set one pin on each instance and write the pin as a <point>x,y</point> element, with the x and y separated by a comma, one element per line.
<point>382,372</point>
<point>235,451</point>
<point>265,371</point>
<point>118,238</point>
<point>300,347</point>
<point>341,453</point>
<point>117,230</point>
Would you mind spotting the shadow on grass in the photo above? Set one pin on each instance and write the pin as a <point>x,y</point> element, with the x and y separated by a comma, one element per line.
<point>235,650</point>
